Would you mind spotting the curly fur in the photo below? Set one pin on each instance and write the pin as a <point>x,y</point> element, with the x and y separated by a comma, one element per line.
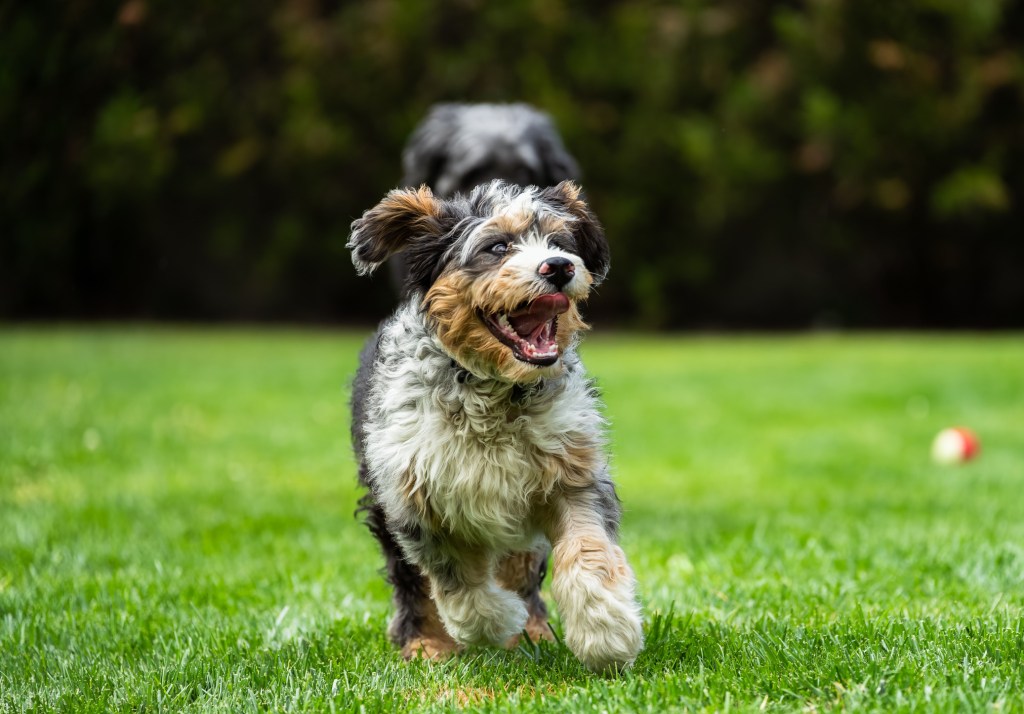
<point>477,461</point>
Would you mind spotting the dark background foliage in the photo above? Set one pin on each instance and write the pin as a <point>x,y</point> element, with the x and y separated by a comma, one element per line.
<point>756,164</point>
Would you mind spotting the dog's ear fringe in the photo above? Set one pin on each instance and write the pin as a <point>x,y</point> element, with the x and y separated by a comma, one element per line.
<point>389,227</point>
<point>591,243</point>
<point>364,269</point>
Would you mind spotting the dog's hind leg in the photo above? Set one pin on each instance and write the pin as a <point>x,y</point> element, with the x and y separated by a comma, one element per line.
<point>523,573</point>
<point>415,627</point>
<point>473,607</point>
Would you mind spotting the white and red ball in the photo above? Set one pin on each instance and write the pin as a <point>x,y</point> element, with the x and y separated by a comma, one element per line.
<point>955,445</point>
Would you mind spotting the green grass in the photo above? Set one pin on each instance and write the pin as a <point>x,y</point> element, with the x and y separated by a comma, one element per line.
<point>176,529</point>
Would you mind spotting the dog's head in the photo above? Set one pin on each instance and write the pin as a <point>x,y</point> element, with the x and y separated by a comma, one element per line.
<point>459,146</point>
<point>500,272</point>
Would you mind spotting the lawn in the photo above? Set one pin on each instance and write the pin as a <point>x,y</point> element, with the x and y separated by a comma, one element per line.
<point>177,530</point>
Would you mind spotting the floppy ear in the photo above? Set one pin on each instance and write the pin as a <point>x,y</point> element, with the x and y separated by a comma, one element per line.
<point>591,244</point>
<point>403,217</point>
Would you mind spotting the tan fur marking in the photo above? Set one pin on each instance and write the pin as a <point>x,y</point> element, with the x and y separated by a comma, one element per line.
<point>595,554</point>
<point>419,207</point>
<point>537,627</point>
<point>569,323</point>
<point>511,223</point>
<point>516,570</point>
<point>434,642</point>
<point>420,200</point>
<point>499,293</point>
<point>552,224</point>
<point>453,302</point>
<point>431,648</point>
<point>421,502</point>
<point>416,494</point>
<point>578,463</point>
<point>388,227</point>
<point>569,189</point>
<point>459,328</point>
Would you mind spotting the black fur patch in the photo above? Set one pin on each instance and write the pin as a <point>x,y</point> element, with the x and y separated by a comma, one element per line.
<point>587,232</point>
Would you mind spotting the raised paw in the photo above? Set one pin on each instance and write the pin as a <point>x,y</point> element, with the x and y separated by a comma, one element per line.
<point>594,587</point>
<point>607,635</point>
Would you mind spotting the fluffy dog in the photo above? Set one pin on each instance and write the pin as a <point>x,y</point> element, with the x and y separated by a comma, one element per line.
<point>478,433</point>
<point>460,146</point>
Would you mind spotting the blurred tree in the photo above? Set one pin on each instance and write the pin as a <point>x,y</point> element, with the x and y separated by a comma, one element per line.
<point>756,164</point>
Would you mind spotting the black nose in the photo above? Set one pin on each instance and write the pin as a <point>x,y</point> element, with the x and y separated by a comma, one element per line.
<point>557,271</point>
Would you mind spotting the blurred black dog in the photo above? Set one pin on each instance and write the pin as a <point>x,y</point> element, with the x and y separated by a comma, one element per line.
<point>460,146</point>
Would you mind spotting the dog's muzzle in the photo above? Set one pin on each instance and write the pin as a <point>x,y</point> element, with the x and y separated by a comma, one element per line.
<point>531,330</point>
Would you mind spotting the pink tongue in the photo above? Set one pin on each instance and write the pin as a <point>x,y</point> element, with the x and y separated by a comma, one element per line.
<point>538,312</point>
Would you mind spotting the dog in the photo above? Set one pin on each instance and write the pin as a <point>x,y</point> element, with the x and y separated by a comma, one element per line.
<point>459,146</point>
<point>478,434</point>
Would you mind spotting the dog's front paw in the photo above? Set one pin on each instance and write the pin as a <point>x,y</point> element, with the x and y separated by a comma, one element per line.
<point>607,635</point>
<point>595,592</point>
<point>487,615</point>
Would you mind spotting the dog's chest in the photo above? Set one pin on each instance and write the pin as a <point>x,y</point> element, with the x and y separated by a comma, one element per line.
<point>483,473</point>
<point>470,459</point>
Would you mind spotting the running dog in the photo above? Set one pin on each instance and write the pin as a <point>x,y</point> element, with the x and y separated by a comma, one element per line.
<point>478,433</point>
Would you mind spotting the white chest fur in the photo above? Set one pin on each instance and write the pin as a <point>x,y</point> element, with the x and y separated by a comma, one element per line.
<point>472,457</point>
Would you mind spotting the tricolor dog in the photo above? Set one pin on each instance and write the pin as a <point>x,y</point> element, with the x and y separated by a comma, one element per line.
<point>478,433</point>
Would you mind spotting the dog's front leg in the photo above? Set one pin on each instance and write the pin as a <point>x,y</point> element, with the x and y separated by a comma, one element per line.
<point>593,584</point>
<point>472,606</point>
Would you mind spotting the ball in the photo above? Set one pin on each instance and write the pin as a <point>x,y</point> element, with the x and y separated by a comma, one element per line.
<point>955,446</point>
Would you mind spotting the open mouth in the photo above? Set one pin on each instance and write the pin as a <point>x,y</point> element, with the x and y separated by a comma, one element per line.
<point>530,330</point>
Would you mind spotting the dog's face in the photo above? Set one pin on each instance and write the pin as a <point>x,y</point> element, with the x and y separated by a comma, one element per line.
<point>500,272</point>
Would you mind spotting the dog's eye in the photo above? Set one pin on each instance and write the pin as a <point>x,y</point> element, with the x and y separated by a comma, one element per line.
<point>499,248</point>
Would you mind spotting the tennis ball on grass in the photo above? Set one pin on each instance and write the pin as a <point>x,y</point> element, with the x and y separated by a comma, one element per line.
<point>955,446</point>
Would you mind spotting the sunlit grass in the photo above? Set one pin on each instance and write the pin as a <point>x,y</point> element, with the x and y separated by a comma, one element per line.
<point>176,528</point>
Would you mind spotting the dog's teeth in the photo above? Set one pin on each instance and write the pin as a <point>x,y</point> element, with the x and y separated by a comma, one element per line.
<point>506,327</point>
<point>525,347</point>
